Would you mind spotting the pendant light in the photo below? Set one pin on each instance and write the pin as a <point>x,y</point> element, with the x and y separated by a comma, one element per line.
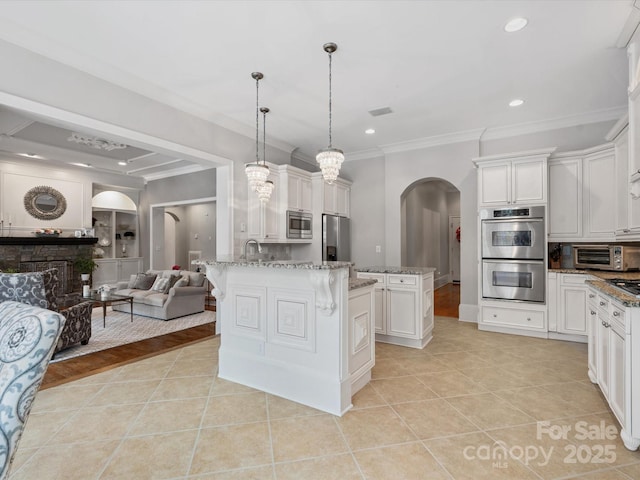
<point>330,159</point>
<point>257,173</point>
<point>265,189</point>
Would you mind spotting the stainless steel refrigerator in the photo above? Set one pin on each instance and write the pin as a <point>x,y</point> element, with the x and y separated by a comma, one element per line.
<point>336,238</point>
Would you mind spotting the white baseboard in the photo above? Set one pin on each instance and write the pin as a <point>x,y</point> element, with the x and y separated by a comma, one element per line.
<point>440,281</point>
<point>468,313</point>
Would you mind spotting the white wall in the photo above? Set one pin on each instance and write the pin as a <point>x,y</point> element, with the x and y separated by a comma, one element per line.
<point>76,185</point>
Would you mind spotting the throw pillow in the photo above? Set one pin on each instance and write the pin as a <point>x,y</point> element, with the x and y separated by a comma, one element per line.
<point>181,282</point>
<point>132,280</point>
<point>24,288</point>
<point>160,285</point>
<point>172,282</point>
<point>144,281</point>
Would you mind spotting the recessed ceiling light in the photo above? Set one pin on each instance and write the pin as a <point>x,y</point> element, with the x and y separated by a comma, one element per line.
<point>77,164</point>
<point>31,155</point>
<point>516,102</point>
<point>122,163</point>
<point>515,24</point>
<point>370,131</point>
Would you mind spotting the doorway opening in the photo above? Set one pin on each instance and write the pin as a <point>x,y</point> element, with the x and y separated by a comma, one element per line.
<point>180,228</point>
<point>431,236</point>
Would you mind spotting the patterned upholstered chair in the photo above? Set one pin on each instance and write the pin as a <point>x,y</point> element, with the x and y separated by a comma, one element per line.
<point>28,336</point>
<point>41,289</point>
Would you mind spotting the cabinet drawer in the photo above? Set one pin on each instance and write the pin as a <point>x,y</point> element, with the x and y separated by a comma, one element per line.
<point>510,317</point>
<point>617,317</point>
<point>378,277</point>
<point>572,279</point>
<point>603,304</point>
<point>402,279</point>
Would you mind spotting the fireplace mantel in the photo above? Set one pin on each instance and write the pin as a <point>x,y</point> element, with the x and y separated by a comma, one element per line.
<point>48,240</point>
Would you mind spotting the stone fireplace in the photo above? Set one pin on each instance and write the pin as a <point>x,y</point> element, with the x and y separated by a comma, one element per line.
<point>33,254</point>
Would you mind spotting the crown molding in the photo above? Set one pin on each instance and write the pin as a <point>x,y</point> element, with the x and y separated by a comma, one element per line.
<point>596,116</point>
<point>174,172</point>
<point>427,142</point>
<point>618,128</point>
<point>528,154</point>
<point>630,26</point>
<point>363,154</point>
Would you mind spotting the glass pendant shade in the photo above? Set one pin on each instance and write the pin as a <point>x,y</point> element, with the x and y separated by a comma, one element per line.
<point>330,160</point>
<point>256,174</point>
<point>264,191</point>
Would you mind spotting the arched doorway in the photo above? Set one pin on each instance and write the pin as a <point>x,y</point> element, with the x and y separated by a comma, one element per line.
<point>430,237</point>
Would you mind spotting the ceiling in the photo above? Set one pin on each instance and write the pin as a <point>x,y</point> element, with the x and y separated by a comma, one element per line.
<point>442,67</point>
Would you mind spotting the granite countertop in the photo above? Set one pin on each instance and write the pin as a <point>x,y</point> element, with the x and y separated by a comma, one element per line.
<point>282,264</point>
<point>397,270</point>
<point>355,283</point>
<point>600,284</point>
<point>621,296</point>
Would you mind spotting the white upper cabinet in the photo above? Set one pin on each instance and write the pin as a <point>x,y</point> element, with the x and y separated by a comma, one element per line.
<point>600,194</point>
<point>565,198</point>
<point>298,191</point>
<point>513,179</point>
<point>583,194</point>
<point>334,197</point>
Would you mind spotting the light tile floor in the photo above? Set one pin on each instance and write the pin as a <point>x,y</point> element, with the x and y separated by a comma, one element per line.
<point>466,407</point>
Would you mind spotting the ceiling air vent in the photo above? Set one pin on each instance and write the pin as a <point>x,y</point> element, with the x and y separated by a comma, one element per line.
<point>380,111</point>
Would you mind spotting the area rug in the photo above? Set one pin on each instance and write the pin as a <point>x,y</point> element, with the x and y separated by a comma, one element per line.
<point>120,330</point>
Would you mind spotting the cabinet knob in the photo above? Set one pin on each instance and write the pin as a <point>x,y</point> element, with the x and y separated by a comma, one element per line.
<point>592,312</point>
<point>602,304</point>
<point>401,281</point>
<point>591,295</point>
<point>616,314</point>
<point>603,323</point>
<point>495,315</point>
<point>528,319</point>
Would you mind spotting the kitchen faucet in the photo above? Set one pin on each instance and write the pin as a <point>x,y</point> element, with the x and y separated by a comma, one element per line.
<point>251,240</point>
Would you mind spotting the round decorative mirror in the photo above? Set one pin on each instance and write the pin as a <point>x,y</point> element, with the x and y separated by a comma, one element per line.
<point>45,203</point>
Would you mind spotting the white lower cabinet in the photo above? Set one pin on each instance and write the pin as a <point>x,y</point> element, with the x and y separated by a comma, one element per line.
<point>403,308</point>
<point>568,306</point>
<point>113,270</point>
<point>513,317</point>
<point>614,360</point>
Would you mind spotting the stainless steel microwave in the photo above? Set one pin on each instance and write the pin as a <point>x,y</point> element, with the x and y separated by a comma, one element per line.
<point>617,258</point>
<point>299,225</point>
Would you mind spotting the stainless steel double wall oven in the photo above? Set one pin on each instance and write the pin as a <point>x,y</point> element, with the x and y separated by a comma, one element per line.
<point>513,251</point>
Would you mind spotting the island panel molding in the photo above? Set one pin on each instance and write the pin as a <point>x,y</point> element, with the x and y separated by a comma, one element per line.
<point>306,353</point>
<point>292,319</point>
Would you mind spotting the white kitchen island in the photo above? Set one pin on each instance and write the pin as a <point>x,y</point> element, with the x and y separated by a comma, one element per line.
<point>290,329</point>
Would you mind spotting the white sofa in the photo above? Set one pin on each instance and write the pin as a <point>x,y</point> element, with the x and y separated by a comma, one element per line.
<point>177,302</point>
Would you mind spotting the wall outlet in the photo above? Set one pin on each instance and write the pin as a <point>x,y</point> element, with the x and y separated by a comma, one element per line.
<point>195,236</point>
<point>243,227</point>
<point>378,249</point>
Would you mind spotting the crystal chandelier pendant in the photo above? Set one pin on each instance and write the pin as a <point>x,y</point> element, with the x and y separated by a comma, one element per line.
<point>330,161</point>
<point>264,191</point>
<point>257,174</point>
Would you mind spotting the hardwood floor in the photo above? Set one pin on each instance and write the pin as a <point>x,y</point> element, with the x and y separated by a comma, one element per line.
<point>446,300</point>
<point>85,365</point>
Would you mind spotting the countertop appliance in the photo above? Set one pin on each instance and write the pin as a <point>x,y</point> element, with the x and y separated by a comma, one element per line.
<point>513,250</point>
<point>299,225</point>
<point>617,258</point>
<point>336,239</point>
<point>629,286</point>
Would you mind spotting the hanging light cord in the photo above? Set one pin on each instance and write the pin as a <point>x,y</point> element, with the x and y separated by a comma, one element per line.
<point>257,122</point>
<point>264,136</point>
<point>330,142</point>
